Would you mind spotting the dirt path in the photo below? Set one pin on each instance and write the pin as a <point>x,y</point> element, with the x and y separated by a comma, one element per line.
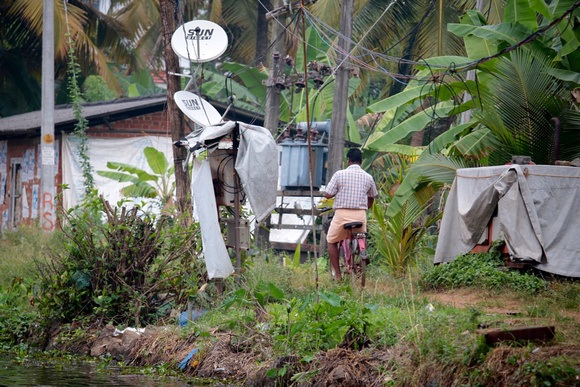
<point>489,303</point>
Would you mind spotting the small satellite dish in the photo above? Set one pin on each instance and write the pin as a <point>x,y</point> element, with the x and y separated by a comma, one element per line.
<point>197,109</point>
<point>212,40</point>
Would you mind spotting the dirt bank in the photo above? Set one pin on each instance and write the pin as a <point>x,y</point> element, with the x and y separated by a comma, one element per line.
<point>225,356</point>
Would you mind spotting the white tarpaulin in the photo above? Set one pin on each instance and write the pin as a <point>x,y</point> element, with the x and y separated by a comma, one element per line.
<point>538,208</point>
<point>257,166</point>
<point>256,162</point>
<point>216,256</point>
<point>102,151</point>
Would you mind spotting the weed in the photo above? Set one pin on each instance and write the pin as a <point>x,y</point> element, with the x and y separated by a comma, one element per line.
<point>481,270</point>
<point>16,324</point>
<point>554,372</point>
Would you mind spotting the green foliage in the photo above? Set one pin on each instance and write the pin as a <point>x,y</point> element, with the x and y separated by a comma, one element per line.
<point>96,89</point>
<point>560,371</point>
<point>514,100</point>
<point>303,325</point>
<point>482,270</point>
<point>400,240</point>
<point>140,83</point>
<point>82,123</point>
<point>119,265</point>
<point>306,327</point>
<point>158,184</point>
<point>16,324</point>
<point>16,321</point>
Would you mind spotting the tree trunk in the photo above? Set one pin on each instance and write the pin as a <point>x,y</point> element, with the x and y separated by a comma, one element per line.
<point>174,116</point>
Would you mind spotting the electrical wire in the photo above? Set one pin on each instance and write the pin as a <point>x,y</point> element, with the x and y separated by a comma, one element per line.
<point>434,78</point>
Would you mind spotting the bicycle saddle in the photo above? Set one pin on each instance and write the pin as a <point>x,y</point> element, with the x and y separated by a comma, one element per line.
<point>349,226</point>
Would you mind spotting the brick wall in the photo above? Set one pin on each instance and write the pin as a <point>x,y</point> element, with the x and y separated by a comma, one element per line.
<point>154,123</point>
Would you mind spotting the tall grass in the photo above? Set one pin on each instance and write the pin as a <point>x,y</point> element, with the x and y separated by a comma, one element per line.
<point>20,248</point>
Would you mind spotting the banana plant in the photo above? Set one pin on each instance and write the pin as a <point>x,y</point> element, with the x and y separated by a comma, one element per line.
<point>158,184</point>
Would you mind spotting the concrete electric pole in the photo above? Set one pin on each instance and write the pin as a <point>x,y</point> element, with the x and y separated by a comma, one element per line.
<point>47,166</point>
<point>272,111</point>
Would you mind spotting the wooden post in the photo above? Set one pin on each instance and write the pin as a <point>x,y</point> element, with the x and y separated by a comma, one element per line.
<point>340,102</point>
<point>174,116</point>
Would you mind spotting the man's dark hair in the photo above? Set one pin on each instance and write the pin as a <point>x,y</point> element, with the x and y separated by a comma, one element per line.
<point>354,155</point>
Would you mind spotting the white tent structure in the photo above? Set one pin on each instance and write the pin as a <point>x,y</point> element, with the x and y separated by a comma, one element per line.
<point>538,210</point>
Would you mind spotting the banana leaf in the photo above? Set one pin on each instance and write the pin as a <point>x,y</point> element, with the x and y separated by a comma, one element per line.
<point>156,160</point>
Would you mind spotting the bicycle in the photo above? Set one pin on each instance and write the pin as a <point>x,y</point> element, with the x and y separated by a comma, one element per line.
<point>352,251</point>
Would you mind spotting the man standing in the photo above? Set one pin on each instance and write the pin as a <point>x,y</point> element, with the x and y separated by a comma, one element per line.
<point>355,192</point>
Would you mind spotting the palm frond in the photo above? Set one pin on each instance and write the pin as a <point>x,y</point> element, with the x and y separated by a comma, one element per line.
<point>520,101</point>
<point>439,168</point>
<point>433,39</point>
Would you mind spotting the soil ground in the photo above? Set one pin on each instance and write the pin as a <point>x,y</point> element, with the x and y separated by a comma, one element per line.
<point>495,304</point>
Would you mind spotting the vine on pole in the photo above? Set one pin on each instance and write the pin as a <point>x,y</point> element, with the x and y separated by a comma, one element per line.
<point>82,123</point>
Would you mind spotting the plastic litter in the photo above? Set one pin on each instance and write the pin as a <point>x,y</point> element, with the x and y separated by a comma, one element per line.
<point>185,361</point>
<point>183,318</point>
<point>136,330</point>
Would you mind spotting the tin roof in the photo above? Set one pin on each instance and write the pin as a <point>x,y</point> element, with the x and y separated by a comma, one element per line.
<point>101,112</point>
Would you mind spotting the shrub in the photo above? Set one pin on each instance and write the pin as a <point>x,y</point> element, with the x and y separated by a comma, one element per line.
<point>127,267</point>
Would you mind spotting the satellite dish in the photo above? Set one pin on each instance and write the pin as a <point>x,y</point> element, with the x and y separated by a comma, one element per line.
<point>197,109</point>
<point>212,40</point>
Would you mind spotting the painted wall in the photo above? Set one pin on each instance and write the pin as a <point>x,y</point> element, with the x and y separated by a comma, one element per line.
<point>20,203</point>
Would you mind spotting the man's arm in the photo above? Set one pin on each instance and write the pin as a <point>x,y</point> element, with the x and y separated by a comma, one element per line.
<point>331,188</point>
<point>372,194</point>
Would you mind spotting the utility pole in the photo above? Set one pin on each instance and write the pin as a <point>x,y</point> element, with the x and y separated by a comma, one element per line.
<point>272,113</point>
<point>174,116</point>
<point>340,102</point>
<point>47,170</point>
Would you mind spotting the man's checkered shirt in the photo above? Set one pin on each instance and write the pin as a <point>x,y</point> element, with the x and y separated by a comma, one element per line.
<point>352,187</point>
